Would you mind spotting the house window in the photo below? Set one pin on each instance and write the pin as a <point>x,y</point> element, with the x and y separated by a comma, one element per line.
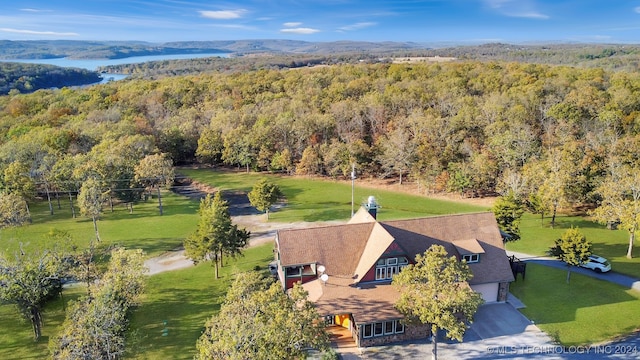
<point>294,271</point>
<point>367,330</point>
<point>388,327</point>
<point>471,258</point>
<point>377,329</point>
<point>382,328</point>
<point>386,268</point>
<point>330,320</point>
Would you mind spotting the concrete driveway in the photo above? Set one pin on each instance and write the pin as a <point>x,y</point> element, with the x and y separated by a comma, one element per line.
<point>499,328</point>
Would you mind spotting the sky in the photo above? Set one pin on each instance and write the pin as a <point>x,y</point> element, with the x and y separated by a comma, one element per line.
<point>427,21</point>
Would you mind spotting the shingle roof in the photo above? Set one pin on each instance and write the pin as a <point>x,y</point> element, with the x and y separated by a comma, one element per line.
<point>352,249</point>
<point>417,235</point>
<point>337,247</point>
<point>367,303</point>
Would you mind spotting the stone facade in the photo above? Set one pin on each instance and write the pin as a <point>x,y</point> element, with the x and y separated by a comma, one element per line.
<point>411,332</point>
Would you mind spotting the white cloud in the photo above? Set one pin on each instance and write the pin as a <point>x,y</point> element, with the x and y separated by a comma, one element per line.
<point>516,8</point>
<point>235,26</point>
<point>292,24</point>
<point>358,26</point>
<point>304,31</point>
<point>32,32</point>
<point>34,10</point>
<point>531,15</point>
<point>223,14</point>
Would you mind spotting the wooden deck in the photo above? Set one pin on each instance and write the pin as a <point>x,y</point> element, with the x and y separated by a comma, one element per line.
<point>341,337</point>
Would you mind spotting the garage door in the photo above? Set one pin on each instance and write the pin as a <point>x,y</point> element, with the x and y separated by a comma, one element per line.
<point>489,292</point>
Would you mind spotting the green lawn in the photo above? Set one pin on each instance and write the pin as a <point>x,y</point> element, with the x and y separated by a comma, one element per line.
<point>320,200</point>
<point>537,237</point>
<point>186,299</point>
<point>585,311</point>
<point>145,228</point>
<point>16,336</point>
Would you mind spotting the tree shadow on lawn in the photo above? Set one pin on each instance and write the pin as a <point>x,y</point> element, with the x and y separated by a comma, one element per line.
<point>152,246</point>
<point>562,222</point>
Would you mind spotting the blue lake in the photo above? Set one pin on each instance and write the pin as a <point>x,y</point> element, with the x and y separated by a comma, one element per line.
<point>93,64</point>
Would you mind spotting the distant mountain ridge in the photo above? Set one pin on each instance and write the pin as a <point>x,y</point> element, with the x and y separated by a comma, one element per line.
<point>47,49</point>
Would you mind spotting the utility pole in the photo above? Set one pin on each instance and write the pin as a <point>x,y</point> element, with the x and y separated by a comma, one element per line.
<point>353,182</point>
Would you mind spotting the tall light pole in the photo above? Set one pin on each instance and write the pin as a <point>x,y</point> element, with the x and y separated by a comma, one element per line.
<point>353,183</point>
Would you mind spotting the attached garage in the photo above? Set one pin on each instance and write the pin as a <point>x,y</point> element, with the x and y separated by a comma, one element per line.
<point>489,291</point>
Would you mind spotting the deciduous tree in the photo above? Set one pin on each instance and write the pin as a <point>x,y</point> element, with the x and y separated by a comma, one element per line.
<point>508,211</point>
<point>96,325</point>
<point>17,180</point>
<point>13,210</point>
<point>90,200</point>
<point>435,291</point>
<point>155,171</point>
<point>620,194</point>
<point>28,280</point>
<point>263,195</point>
<point>259,321</point>
<point>572,248</point>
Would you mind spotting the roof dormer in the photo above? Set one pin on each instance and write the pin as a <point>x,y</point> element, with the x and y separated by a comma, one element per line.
<point>469,250</point>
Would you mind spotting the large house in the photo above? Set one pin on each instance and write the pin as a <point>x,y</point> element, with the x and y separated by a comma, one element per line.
<point>347,269</point>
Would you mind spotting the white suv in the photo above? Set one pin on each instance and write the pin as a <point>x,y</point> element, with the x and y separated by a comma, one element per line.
<point>597,264</point>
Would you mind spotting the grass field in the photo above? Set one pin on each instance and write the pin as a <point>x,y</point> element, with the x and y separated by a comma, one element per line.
<point>585,311</point>
<point>537,237</point>
<point>144,229</point>
<point>187,298</point>
<point>320,200</point>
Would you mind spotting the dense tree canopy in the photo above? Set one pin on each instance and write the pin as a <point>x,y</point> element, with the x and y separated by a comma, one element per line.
<point>465,127</point>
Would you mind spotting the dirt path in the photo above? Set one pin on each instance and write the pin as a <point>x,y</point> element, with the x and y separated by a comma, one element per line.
<point>262,232</point>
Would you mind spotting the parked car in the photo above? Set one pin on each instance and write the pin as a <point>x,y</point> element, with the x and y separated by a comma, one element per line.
<point>597,264</point>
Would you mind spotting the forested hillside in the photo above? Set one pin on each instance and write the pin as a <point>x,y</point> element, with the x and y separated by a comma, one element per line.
<point>26,78</point>
<point>473,128</point>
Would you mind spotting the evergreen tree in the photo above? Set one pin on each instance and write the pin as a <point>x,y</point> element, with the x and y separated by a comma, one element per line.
<point>508,211</point>
<point>215,234</point>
